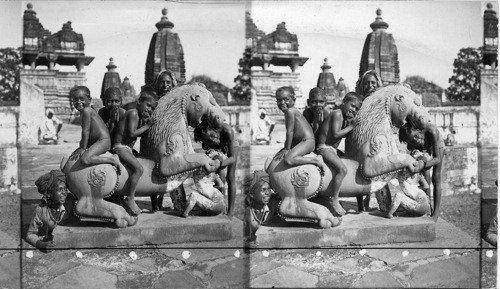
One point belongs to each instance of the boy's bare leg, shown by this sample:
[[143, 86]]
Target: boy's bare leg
[[295, 157], [396, 200], [128, 159], [189, 205], [92, 156], [334, 161]]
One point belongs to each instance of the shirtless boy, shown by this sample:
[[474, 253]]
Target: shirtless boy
[[336, 126], [135, 122], [299, 134], [429, 139], [316, 111], [112, 112], [95, 135]]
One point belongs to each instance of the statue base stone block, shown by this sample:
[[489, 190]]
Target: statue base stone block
[[151, 229], [355, 229]]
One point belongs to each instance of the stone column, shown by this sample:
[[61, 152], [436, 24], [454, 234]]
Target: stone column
[[488, 115], [31, 112], [8, 149]]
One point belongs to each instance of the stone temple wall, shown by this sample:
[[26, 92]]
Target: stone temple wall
[[465, 120], [266, 82], [460, 169], [56, 86]]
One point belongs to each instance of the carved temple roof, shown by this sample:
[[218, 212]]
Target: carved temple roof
[[165, 52], [380, 52], [279, 48], [41, 47], [251, 30]]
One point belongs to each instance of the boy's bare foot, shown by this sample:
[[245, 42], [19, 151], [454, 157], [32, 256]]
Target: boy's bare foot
[[337, 207], [133, 206], [117, 164], [185, 215], [389, 216]]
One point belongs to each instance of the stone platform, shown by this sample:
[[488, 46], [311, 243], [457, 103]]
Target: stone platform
[[356, 229], [151, 229]]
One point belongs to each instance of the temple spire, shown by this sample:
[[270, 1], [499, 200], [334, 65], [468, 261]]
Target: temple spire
[[111, 66], [379, 23], [326, 67], [164, 23], [111, 77], [165, 52], [380, 52]]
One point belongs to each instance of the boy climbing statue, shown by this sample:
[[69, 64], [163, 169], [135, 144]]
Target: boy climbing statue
[[299, 135], [336, 126]]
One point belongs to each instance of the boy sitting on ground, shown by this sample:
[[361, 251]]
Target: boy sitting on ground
[[299, 134], [336, 126], [135, 122], [112, 112], [95, 135]]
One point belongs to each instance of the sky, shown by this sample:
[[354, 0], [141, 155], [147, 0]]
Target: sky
[[428, 34], [212, 34]]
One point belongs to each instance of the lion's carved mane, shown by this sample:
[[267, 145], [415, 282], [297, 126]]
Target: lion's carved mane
[[373, 121], [168, 121]]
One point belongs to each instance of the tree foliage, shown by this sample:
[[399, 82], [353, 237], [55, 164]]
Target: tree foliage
[[218, 90], [10, 64], [431, 92], [465, 82], [243, 82]]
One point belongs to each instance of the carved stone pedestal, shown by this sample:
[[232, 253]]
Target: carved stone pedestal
[[152, 229], [356, 229]]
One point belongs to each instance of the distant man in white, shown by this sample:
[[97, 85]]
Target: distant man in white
[[49, 130], [264, 128]]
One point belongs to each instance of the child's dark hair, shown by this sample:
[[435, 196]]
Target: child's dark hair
[[405, 131], [200, 130], [147, 95], [351, 96], [82, 88], [288, 89], [112, 91], [316, 92]]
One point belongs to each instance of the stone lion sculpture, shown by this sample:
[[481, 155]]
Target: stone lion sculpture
[[372, 158], [167, 157]]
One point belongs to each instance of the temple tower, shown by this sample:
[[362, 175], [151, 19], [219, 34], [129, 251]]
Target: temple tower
[[334, 91], [111, 77], [380, 52], [278, 48], [165, 52], [41, 48]]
